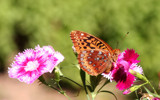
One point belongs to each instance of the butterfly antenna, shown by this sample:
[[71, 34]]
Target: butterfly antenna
[[117, 44], [125, 35], [122, 39]]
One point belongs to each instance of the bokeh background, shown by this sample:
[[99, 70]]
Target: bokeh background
[[26, 23]]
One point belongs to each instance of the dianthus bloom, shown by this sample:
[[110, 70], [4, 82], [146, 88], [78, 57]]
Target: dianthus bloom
[[32, 63], [120, 72]]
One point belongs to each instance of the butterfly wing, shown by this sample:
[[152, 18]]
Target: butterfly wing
[[94, 61], [84, 41]]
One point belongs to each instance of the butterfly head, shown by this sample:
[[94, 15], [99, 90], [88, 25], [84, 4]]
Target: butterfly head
[[116, 52]]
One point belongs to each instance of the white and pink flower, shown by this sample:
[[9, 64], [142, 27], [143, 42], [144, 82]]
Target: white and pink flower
[[32, 63]]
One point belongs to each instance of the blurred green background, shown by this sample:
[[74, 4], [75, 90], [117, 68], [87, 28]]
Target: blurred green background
[[26, 23]]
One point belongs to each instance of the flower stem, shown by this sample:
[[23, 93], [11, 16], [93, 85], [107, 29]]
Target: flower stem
[[63, 92], [53, 88], [93, 95], [60, 91], [67, 96], [41, 79], [142, 77], [152, 87], [87, 97]]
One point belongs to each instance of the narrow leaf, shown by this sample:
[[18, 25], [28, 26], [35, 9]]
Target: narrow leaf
[[147, 90], [41, 79], [110, 93], [83, 78], [106, 82], [95, 80], [155, 95]]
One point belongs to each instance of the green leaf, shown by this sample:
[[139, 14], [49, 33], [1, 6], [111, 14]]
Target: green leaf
[[106, 82], [95, 81], [90, 88], [136, 93], [63, 77], [41, 79], [110, 93], [83, 78], [149, 92]]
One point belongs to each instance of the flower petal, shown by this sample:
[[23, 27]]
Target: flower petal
[[131, 56], [31, 64], [127, 83]]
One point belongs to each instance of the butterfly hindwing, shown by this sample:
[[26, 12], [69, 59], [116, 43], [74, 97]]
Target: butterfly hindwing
[[94, 61], [84, 41]]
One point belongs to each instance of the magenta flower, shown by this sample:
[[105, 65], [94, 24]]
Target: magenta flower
[[120, 73], [31, 64]]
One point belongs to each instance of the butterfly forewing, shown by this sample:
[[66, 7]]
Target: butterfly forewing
[[84, 41], [94, 61], [94, 55]]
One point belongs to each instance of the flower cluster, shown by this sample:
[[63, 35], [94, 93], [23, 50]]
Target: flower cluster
[[120, 72], [32, 63]]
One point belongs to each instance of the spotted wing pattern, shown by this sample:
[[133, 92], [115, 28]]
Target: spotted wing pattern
[[94, 61], [84, 41], [94, 55]]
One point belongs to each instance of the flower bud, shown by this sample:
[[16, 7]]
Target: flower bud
[[132, 89], [57, 74], [138, 75]]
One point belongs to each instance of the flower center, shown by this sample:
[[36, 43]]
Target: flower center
[[32, 65]]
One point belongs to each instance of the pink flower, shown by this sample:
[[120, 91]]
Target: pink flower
[[31, 64], [120, 72]]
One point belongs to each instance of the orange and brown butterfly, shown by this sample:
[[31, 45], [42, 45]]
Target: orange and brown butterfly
[[94, 55]]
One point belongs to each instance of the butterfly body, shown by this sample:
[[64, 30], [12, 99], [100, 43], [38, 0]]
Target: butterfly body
[[94, 55]]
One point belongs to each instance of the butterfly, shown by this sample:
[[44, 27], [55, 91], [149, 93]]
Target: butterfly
[[94, 55]]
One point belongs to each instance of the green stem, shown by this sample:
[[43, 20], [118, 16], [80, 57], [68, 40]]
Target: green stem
[[59, 86], [54, 88], [60, 91], [142, 77], [63, 92], [72, 81], [152, 87], [144, 84], [88, 98], [67, 96], [41, 79], [93, 95]]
